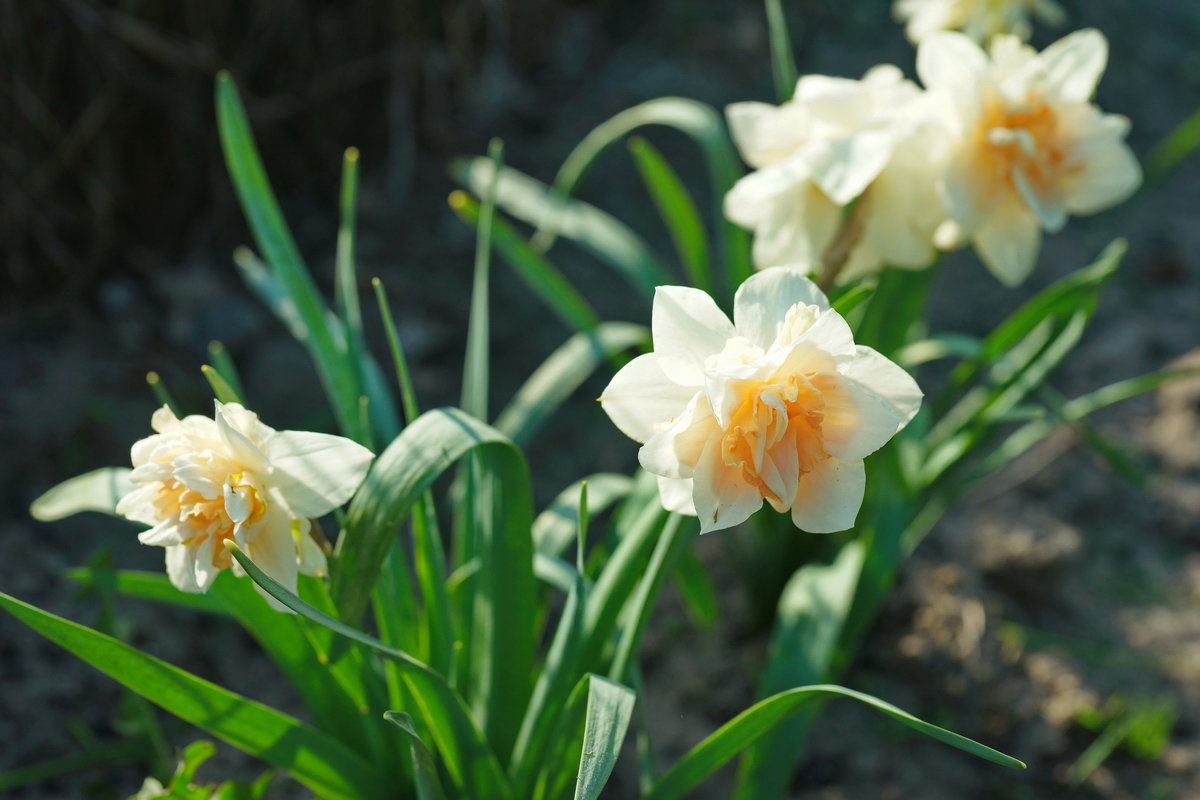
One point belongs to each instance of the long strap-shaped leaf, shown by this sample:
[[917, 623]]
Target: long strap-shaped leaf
[[318, 761], [470, 761], [98, 490], [266, 222], [422, 452], [562, 373], [609, 707], [735, 735]]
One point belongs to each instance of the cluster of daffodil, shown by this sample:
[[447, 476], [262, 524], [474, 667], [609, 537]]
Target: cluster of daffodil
[[488, 664]]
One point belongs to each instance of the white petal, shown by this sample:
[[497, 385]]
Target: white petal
[[673, 452], [886, 379], [640, 396], [764, 298], [1045, 201], [316, 472], [752, 199], [764, 134], [163, 419], [241, 448], [829, 497], [311, 557], [1105, 179], [1073, 65], [274, 552], [676, 495], [168, 533], [723, 499], [856, 422], [967, 191], [687, 328], [831, 334], [950, 60], [843, 168], [1008, 242], [205, 570], [181, 570]]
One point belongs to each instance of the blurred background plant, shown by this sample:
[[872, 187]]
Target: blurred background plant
[[106, 103]]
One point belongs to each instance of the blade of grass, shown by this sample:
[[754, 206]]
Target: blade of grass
[[223, 364], [783, 63], [428, 784], [609, 707]]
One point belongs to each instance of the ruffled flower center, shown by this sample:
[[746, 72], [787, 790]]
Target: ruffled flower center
[[219, 518], [1019, 137], [776, 429]]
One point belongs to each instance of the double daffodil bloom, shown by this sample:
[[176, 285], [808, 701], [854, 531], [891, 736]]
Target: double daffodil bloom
[[839, 141], [978, 19], [201, 481], [778, 405], [1027, 147]]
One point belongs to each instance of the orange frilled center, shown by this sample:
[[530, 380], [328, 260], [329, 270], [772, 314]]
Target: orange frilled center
[[210, 517], [775, 419], [1018, 136]]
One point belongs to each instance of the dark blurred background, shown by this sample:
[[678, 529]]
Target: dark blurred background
[[117, 222]]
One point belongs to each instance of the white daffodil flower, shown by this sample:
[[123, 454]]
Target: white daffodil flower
[[1027, 147], [779, 405], [201, 481], [836, 141], [978, 19]]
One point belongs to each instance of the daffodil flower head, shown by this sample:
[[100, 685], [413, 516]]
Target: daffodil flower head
[[778, 405], [1027, 145], [201, 482], [978, 19], [837, 141]]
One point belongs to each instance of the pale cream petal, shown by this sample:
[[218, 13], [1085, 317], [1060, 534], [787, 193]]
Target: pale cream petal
[[687, 327], [856, 422], [832, 334], [181, 568], [1110, 175], [765, 134], [167, 533], [886, 379], [676, 495], [241, 449], [843, 168], [274, 552], [829, 497], [763, 300], [949, 60], [1043, 199], [673, 452], [1072, 66], [316, 472], [968, 193], [723, 499], [640, 397], [1009, 242], [205, 571]]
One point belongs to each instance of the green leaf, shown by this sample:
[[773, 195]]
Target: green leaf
[[428, 784], [537, 273], [676, 207], [126, 751], [783, 63], [224, 366], [609, 707], [468, 758], [562, 373], [595, 230], [318, 761], [697, 120], [221, 389], [696, 589], [1181, 143], [475, 369], [398, 478], [554, 529], [804, 639], [153, 586], [325, 343], [737, 734], [98, 490]]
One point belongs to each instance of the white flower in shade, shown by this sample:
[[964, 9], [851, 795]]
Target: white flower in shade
[[1027, 145], [779, 405], [836, 141], [201, 481], [979, 19]]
